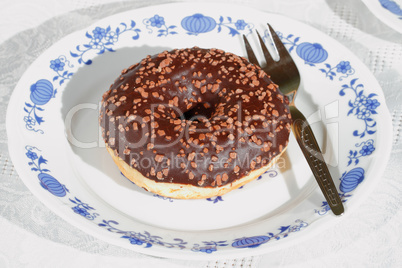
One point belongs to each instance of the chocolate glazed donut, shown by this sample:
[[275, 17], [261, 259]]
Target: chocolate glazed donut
[[194, 123]]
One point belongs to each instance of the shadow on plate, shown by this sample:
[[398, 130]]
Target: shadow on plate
[[80, 109]]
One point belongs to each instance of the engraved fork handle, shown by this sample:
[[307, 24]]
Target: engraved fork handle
[[309, 146]]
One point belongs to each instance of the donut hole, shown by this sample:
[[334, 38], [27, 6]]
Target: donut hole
[[199, 112], [205, 107]]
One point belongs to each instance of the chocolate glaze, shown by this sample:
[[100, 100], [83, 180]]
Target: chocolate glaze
[[195, 116]]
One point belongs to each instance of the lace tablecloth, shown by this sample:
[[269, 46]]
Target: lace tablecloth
[[33, 236]]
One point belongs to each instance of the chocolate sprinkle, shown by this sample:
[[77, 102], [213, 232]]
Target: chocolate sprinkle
[[202, 117]]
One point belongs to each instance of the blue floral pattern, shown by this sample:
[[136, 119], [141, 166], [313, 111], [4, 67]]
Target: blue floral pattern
[[102, 40], [198, 23], [83, 209], [363, 107], [209, 246], [324, 209], [240, 25], [41, 93], [234, 27], [349, 181], [256, 241], [159, 23], [51, 184], [215, 199], [365, 148], [392, 6], [251, 242], [142, 238], [59, 66], [47, 181], [286, 40], [343, 68], [145, 239], [311, 53]]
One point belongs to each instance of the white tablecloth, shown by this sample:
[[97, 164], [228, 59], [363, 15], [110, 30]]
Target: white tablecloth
[[33, 236]]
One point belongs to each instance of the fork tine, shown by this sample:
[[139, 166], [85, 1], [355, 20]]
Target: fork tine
[[250, 53], [267, 55], [280, 47]]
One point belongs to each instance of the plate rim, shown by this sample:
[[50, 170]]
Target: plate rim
[[221, 254], [384, 15]]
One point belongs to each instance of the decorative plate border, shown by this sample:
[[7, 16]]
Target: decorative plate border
[[392, 7], [388, 11], [37, 162], [100, 40], [363, 106]]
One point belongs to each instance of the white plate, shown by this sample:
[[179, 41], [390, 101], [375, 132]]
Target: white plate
[[55, 145], [388, 11]]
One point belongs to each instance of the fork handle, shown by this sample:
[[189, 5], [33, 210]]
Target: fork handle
[[309, 146]]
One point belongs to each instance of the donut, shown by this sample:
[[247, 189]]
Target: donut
[[194, 123]]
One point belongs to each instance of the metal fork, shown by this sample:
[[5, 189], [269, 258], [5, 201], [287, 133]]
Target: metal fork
[[286, 75]]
